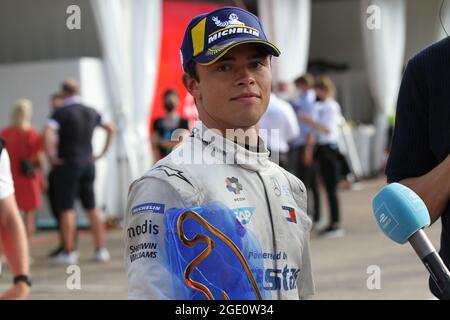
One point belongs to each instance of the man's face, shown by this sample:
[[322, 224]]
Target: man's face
[[302, 87], [171, 102], [321, 93], [235, 90], [57, 102]]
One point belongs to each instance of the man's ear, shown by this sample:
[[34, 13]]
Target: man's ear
[[191, 86]]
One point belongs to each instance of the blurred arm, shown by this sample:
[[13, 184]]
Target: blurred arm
[[315, 124], [110, 131], [308, 154], [13, 236], [51, 145], [44, 170]]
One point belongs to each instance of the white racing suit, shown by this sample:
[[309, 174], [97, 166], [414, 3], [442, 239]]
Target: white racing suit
[[266, 199]]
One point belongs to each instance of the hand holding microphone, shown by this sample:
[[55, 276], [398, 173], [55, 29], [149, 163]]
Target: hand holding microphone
[[402, 215]]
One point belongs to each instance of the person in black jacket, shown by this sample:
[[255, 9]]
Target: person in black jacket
[[419, 156], [56, 102]]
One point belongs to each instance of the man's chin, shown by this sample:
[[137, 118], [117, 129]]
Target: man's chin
[[247, 122]]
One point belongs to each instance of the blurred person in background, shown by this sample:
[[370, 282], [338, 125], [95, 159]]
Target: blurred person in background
[[56, 101], [163, 128], [327, 126], [304, 145], [279, 116], [71, 156], [284, 90], [25, 148], [13, 234]]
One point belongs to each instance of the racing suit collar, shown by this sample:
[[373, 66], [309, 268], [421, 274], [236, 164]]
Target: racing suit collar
[[255, 161]]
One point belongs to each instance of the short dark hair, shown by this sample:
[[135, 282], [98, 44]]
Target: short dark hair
[[55, 96], [325, 83], [192, 71], [169, 92], [70, 87], [306, 79]]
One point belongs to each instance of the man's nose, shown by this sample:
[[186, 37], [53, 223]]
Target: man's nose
[[245, 77]]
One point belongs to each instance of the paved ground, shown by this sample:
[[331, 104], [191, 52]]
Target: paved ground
[[340, 265], [98, 281]]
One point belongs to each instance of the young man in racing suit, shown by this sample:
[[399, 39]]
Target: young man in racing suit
[[227, 63]]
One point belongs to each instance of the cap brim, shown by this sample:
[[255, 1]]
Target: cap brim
[[209, 58]]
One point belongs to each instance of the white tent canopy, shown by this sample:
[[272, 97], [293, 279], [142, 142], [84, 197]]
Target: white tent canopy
[[287, 24], [444, 29], [130, 38], [383, 29]]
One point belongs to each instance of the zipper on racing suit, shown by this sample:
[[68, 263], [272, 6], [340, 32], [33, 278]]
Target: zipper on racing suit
[[274, 243]]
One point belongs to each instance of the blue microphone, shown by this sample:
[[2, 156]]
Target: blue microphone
[[402, 215]]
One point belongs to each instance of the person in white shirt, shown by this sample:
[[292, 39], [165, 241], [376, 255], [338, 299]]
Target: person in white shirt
[[327, 126], [281, 117], [12, 233], [284, 90]]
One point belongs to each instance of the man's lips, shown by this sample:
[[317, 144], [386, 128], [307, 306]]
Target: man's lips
[[247, 98]]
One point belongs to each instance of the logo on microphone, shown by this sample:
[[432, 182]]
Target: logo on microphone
[[383, 218]]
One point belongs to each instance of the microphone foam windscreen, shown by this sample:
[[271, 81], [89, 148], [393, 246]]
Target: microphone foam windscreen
[[399, 212]]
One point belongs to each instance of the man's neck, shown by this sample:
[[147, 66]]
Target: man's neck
[[172, 115], [245, 136], [71, 99]]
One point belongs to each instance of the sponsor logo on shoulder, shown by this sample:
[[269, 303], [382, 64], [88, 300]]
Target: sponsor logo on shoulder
[[151, 207], [291, 214]]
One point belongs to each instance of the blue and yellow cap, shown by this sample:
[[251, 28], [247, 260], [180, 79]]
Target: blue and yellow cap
[[209, 36]]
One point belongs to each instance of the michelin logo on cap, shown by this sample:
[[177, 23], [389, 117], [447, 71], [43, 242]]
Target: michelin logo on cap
[[232, 26], [233, 21]]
